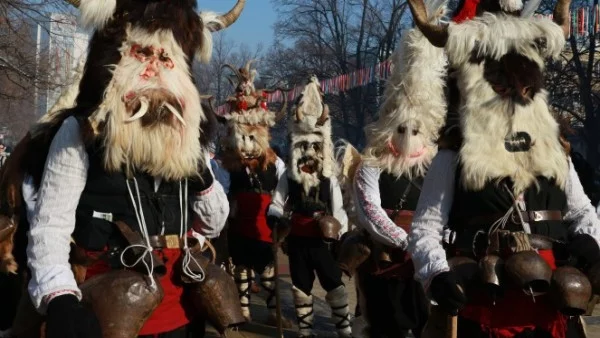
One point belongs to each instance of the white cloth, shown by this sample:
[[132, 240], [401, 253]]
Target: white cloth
[[371, 215], [280, 197], [435, 202], [52, 221]]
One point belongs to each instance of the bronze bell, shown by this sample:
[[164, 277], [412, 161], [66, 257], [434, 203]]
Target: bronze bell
[[216, 299], [330, 228], [530, 271], [467, 269], [571, 290], [491, 271], [122, 300], [354, 251], [594, 277]]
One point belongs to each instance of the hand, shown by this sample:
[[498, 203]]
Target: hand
[[447, 293], [584, 250], [68, 318]]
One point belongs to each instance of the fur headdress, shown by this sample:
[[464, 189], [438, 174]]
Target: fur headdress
[[402, 140], [248, 123], [506, 124], [311, 146]]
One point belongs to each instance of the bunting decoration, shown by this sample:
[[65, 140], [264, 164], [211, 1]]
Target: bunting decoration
[[335, 85], [584, 21]]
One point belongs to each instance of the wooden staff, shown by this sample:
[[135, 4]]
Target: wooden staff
[[452, 327], [277, 296]]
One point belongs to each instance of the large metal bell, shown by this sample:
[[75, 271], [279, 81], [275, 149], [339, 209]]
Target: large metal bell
[[530, 272], [354, 251], [466, 269], [571, 290], [492, 271], [330, 228]]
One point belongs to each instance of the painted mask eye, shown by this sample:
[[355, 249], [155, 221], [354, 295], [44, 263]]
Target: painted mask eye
[[251, 137], [317, 146], [415, 132], [401, 129]]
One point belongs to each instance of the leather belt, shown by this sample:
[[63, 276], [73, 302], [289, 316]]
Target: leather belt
[[528, 216], [170, 242]]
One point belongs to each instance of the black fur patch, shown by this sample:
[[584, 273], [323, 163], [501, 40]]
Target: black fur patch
[[518, 142]]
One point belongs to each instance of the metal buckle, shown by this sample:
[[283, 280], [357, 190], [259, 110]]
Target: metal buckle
[[172, 241], [514, 218], [537, 216]]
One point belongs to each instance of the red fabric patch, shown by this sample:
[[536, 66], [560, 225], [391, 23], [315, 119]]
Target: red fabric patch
[[169, 315], [467, 12], [516, 311], [305, 226], [251, 216]]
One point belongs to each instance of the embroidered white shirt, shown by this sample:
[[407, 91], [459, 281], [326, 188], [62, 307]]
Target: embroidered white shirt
[[371, 215]]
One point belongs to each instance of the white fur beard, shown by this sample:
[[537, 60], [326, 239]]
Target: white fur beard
[[170, 151], [399, 165], [483, 154]]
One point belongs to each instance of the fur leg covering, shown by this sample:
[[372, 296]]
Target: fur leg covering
[[242, 280], [304, 312], [340, 313], [267, 281]]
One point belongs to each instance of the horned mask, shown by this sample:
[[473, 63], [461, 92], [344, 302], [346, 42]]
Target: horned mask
[[506, 123], [137, 91], [311, 147], [248, 123], [402, 140]]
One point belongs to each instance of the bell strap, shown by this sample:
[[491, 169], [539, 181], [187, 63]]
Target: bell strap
[[528, 216]]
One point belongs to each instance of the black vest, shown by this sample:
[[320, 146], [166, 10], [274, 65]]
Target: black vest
[[317, 200], [494, 199], [107, 193], [262, 181], [397, 193]]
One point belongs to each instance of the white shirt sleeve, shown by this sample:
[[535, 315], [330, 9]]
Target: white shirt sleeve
[[212, 209], [53, 220], [431, 215], [580, 212], [337, 205], [276, 208], [280, 165], [371, 215]]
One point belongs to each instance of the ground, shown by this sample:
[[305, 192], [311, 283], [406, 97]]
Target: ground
[[324, 328]]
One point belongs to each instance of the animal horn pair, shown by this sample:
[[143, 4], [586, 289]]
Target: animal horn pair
[[226, 19], [438, 34]]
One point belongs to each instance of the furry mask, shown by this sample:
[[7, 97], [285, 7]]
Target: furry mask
[[247, 146], [137, 90], [506, 123], [402, 140], [311, 147]]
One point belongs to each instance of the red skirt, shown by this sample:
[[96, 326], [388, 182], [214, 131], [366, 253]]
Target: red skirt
[[169, 315], [516, 311]]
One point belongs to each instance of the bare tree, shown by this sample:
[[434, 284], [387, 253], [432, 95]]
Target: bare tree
[[333, 37], [24, 66]]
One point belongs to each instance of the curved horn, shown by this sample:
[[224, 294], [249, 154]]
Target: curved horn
[[436, 34], [561, 15], [75, 3], [230, 17], [234, 70], [248, 64]]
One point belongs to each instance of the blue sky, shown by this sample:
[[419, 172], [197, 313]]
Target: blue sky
[[254, 25]]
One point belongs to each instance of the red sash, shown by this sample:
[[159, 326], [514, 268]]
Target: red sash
[[516, 311], [169, 315]]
